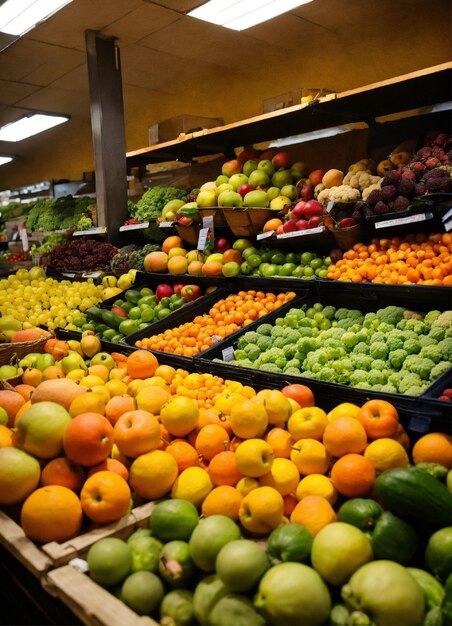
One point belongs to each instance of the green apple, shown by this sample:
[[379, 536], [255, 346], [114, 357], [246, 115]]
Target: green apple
[[281, 178], [44, 360], [73, 361], [8, 322], [231, 269], [29, 360], [7, 371], [242, 244], [127, 327], [224, 187], [259, 178], [246, 269], [290, 191], [273, 192], [256, 198], [3, 417], [35, 273], [211, 185], [237, 180], [207, 198], [216, 256], [249, 166], [280, 203], [266, 166], [221, 179], [103, 358], [230, 199]]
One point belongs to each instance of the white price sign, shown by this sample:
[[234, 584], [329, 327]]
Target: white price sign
[[165, 224], [80, 564], [411, 219], [68, 275], [447, 216], [216, 338], [228, 354], [329, 206], [91, 274], [24, 239], [202, 238], [98, 230], [302, 233], [134, 226], [448, 226], [207, 222], [260, 236]]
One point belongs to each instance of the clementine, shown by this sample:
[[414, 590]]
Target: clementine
[[433, 448], [141, 364], [110, 465], [117, 406], [51, 513], [105, 497], [353, 475], [62, 471], [222, 500]]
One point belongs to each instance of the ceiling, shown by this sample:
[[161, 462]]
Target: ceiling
[[164, 52]]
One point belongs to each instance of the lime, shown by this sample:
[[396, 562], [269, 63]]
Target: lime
[[290, 542], [245, 268], [307, 257], [270, 270], [253, 260], [145, 553], [135, 313], [249, 252], [360, 512], [142, 591], [308, 271], [176, 566], [109, 561], [173, 519], [338, 550], [438, 554], [177, 608], [287, 269], [163, 313], [209, 536], [237, 610], [109, 333], [240, 564], [292, 257], [207, 593], [279, 258], [140, 532], [316, 264], [146, 291], [293, 594]]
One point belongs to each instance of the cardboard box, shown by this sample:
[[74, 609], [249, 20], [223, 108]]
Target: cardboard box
[[303, 96], [170, 129]]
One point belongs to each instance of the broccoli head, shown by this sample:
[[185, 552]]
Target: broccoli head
[[388, 388], [394, 340], [363, 385], [439, 369], [409, 380], [412, 346], [327, 374], [349, 340], [417, 365], [277, 331], [378, 364], [293, 371], [414, 390], [290, 350], [417, 326], [446, 348], [437, 334], [251, 351], [431, 317], [264, 329], [361, 361], [264, 343], [361, 348], [379, 350], [376, 377], [443, 321], [431, 352], [329, 312], [270, 367], [358, 376], [391, 314], [397, 358], [293, 363]]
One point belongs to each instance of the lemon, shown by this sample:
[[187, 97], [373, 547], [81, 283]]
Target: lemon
[[91, 402], [283, 476], [91, 381], [193, 484], [247, 484], [116, 387], [316, 485], [309, 422], [386, 453]]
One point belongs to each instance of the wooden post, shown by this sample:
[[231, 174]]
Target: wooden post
[[107, 123]]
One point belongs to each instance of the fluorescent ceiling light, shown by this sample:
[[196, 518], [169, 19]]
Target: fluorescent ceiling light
[[242, 14], [19, 16], [30, 125], [5, 159]]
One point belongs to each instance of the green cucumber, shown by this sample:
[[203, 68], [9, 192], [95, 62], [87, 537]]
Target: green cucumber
[[95, 313], [111, 319], [394, 539], [412, 492], [446, 606], [432, 588]]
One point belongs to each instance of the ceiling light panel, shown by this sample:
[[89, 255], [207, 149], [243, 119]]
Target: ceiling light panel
[[242, 14], [29, 126], [19, 16]]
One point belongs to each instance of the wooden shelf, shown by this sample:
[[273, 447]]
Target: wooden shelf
[[416, 90]]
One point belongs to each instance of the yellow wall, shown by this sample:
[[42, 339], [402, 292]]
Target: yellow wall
[[414, 36]]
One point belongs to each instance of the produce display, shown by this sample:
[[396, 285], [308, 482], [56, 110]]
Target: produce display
[[138, 308], [48, 243], [132, 257], [63, 213], [224, 318], [14, 257], [422, 259], [393, 350], [151, 204], [81, 256]]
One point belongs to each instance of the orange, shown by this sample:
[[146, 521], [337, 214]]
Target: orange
[[379, 418], [62, 471], [433, 448], [223, 469], [179, 415], [310, 456], [300, 393], [171, 242], [272, 224], [222, 500], [51, 513], [344, 435], [105, 497], [261, 511], [136, 432], [313, 512], [152, 475], [211, 440], [88, 439], [152, 398], [212, 268], [32, 376], [280, 441], [6, 437], [117, 406], [11, 401], [353, 475], [184, 454], [177, 265], [309, 422], [141, 364], [248, 419], [213, 416], [344, 409], [385, 454], [110, 465]]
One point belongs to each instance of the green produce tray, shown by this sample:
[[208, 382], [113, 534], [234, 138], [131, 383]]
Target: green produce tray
[[420, 414]]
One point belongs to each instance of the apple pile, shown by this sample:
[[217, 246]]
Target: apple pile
[[303, 216]]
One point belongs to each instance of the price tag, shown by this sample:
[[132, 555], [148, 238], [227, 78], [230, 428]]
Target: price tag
[[91, 274], [448, 226], [447, 216], [228, 354], [207, 222], [329, 206], [411, 219], [419, 424], [68, 275], [165, 224], [24, 238], [80, 564], [302, 233], [134, 226], [202, 239], [260, 236], [216, 338], [98, 230]]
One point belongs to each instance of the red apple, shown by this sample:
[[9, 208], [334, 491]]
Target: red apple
[[289, 226], [312, 208], [231, 167], [315, 221], [177, 288], [298, 210], [281, 160], [163, 291], [244, 189], [302, 225], [221, 244], [316, 177], [267, 154], [247, 155], [280, 230], [307, 192], [347, 222]]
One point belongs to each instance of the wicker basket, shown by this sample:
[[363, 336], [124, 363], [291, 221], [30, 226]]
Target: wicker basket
[[9, 383], [20, 349], [217, 212], [247, 222], [346, 238], [190, 234]]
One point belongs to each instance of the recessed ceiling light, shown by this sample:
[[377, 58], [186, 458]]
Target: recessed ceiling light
[[4, 159], [19, 16], [30, 125], [242, 14]]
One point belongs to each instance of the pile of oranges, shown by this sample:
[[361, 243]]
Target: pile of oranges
[[224, 318], [260, 458], [420, 259]]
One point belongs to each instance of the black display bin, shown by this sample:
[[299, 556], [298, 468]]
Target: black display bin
[[420, 414], [432, 393]]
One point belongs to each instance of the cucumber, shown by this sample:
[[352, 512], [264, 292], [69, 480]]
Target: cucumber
[[412, 492], [446, 606], [432, 588], [394, 539]]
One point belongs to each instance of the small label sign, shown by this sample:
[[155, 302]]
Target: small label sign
[[216, 338], [98, 230], [302, 233], [24, 239], [134, 226], [411, 219], [329, 206], [165, 224], [68, 274], [207, 222], [448, 226], [228, 354], [202, 238], [260, 236], [91, 274], [447, 216]]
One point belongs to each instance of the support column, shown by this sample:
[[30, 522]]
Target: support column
[[107, 123]]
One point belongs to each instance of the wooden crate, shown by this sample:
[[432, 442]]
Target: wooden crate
[[40, 559], [91, 603]]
